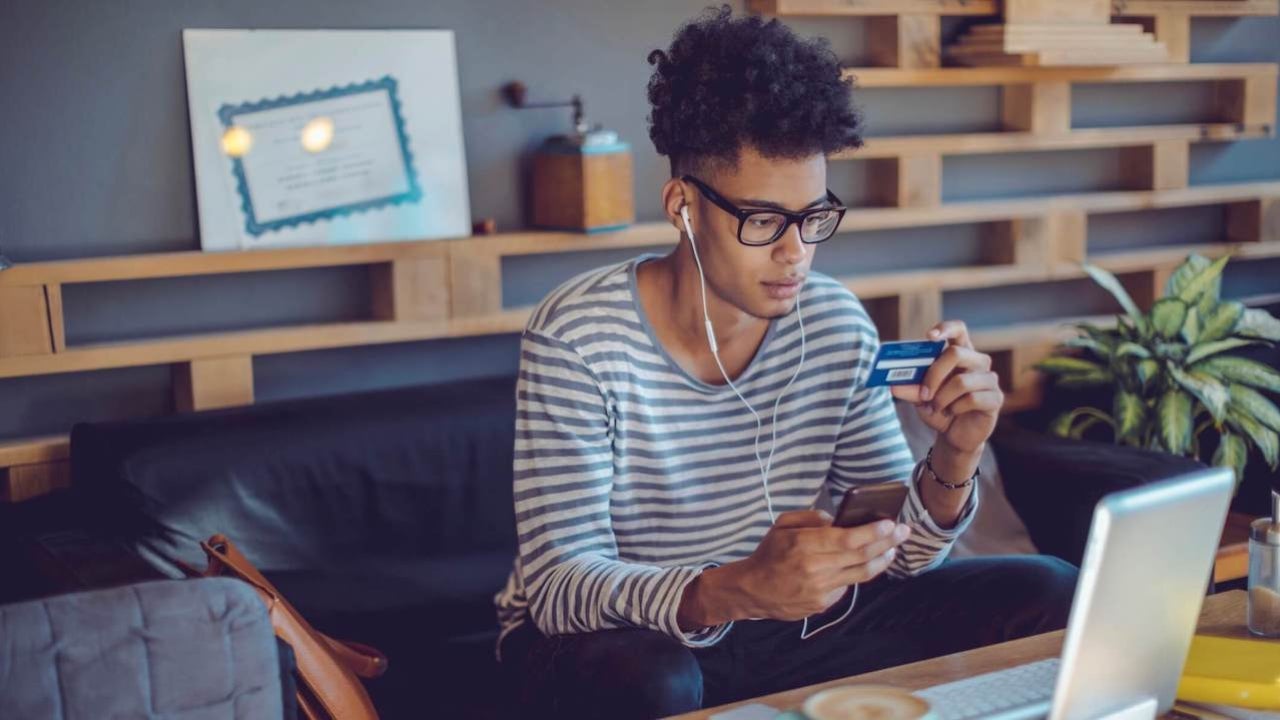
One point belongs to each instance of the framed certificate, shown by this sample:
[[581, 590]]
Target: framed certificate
[[317, 137]]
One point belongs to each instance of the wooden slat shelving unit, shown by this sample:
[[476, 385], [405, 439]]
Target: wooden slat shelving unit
[[452, 288]]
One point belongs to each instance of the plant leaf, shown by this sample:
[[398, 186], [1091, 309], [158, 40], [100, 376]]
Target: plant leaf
[[1259, 324], [1265, 439], [1243, 371], [1124, 328], [1062, 365], [1200, 352], [1107, 336], [1147, 370], [1061, 425], [1209, 301], [1127, 348], [1191, 326], [1168, 316], [1178, 279], [1207, 389], [1232, 452], [1112, 285], [1221, 321], [1204, 279], [1083, 380], [1130, 413], [1085, 342], [1247, 400], [1174, 414], [1078, 431], [1171, 351]]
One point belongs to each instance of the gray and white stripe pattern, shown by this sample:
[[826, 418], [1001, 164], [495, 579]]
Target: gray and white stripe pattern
[[632, 476]]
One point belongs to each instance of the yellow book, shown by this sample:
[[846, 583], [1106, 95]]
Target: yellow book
[[1232, 671]]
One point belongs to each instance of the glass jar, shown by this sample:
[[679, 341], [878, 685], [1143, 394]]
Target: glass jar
[[1264, 575]]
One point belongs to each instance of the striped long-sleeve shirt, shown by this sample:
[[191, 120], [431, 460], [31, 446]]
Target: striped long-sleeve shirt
[[632, 476]]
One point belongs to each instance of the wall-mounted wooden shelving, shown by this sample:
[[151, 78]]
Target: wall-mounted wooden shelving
[[453, 288]]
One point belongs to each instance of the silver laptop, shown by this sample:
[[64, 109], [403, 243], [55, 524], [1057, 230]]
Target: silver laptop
[[1146, 568]]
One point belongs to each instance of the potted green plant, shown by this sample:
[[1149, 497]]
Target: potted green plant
[[1172, 378]]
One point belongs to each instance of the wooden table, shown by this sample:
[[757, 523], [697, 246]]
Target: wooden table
[[1222, 614]]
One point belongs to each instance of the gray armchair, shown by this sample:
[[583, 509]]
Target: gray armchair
[[178, 649]]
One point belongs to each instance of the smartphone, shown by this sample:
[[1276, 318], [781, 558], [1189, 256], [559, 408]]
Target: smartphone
[[864, 504]]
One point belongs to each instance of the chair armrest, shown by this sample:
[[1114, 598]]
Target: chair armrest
[[1054, 483]]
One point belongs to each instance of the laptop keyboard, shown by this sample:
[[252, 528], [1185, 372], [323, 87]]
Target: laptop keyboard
[[1024, 691]]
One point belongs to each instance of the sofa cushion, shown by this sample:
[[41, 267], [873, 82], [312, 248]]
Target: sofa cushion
[[417, 472], [436, 597]]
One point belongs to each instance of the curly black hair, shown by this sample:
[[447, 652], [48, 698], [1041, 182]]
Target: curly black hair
[[729, 82]]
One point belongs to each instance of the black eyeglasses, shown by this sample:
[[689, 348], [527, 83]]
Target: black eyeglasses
[[763, 227]]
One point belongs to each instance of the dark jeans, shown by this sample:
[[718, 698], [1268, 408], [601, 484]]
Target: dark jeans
[[634, 673]]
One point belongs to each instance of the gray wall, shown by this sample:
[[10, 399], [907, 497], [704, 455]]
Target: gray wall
[[96, 161]]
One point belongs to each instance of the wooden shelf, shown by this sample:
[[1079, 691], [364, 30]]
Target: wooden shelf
[[195, 262], [30, 451], [1007, 142], [30, 467], [867, 8], [182, 264], [908, 34], [490, 317], [881, 285], [1137, 260], [1197, 8], [869, 77], [1130, 8], [863, 219], [264, 341]]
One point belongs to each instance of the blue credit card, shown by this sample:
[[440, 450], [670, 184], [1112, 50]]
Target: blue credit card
[[904, 363]]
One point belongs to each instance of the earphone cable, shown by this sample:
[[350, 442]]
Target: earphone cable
[[765, 468]]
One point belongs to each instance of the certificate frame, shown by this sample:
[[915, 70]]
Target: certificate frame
[[236, 75], [228, 114]]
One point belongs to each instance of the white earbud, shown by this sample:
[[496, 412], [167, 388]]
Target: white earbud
[[711, 334], [765, 467]]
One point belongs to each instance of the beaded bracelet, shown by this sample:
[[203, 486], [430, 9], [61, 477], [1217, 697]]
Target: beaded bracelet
[[928, 464]]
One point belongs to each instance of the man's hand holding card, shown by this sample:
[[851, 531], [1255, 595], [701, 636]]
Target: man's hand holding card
[[950, 383]]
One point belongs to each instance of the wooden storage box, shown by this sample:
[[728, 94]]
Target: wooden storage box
[[585, 188]]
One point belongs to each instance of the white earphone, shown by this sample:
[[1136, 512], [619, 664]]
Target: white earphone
[[765, 467]]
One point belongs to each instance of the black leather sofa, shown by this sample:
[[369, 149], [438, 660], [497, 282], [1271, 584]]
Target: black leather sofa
[[386, 517]]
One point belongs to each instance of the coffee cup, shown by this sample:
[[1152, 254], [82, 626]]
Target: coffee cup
[[867, 702]]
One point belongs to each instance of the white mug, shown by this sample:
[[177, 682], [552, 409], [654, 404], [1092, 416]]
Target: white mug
[[867, 702]]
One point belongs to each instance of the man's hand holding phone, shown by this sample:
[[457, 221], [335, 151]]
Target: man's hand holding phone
[[803, 566]]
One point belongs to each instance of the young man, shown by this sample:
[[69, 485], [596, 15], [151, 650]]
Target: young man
[[670, 553]]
